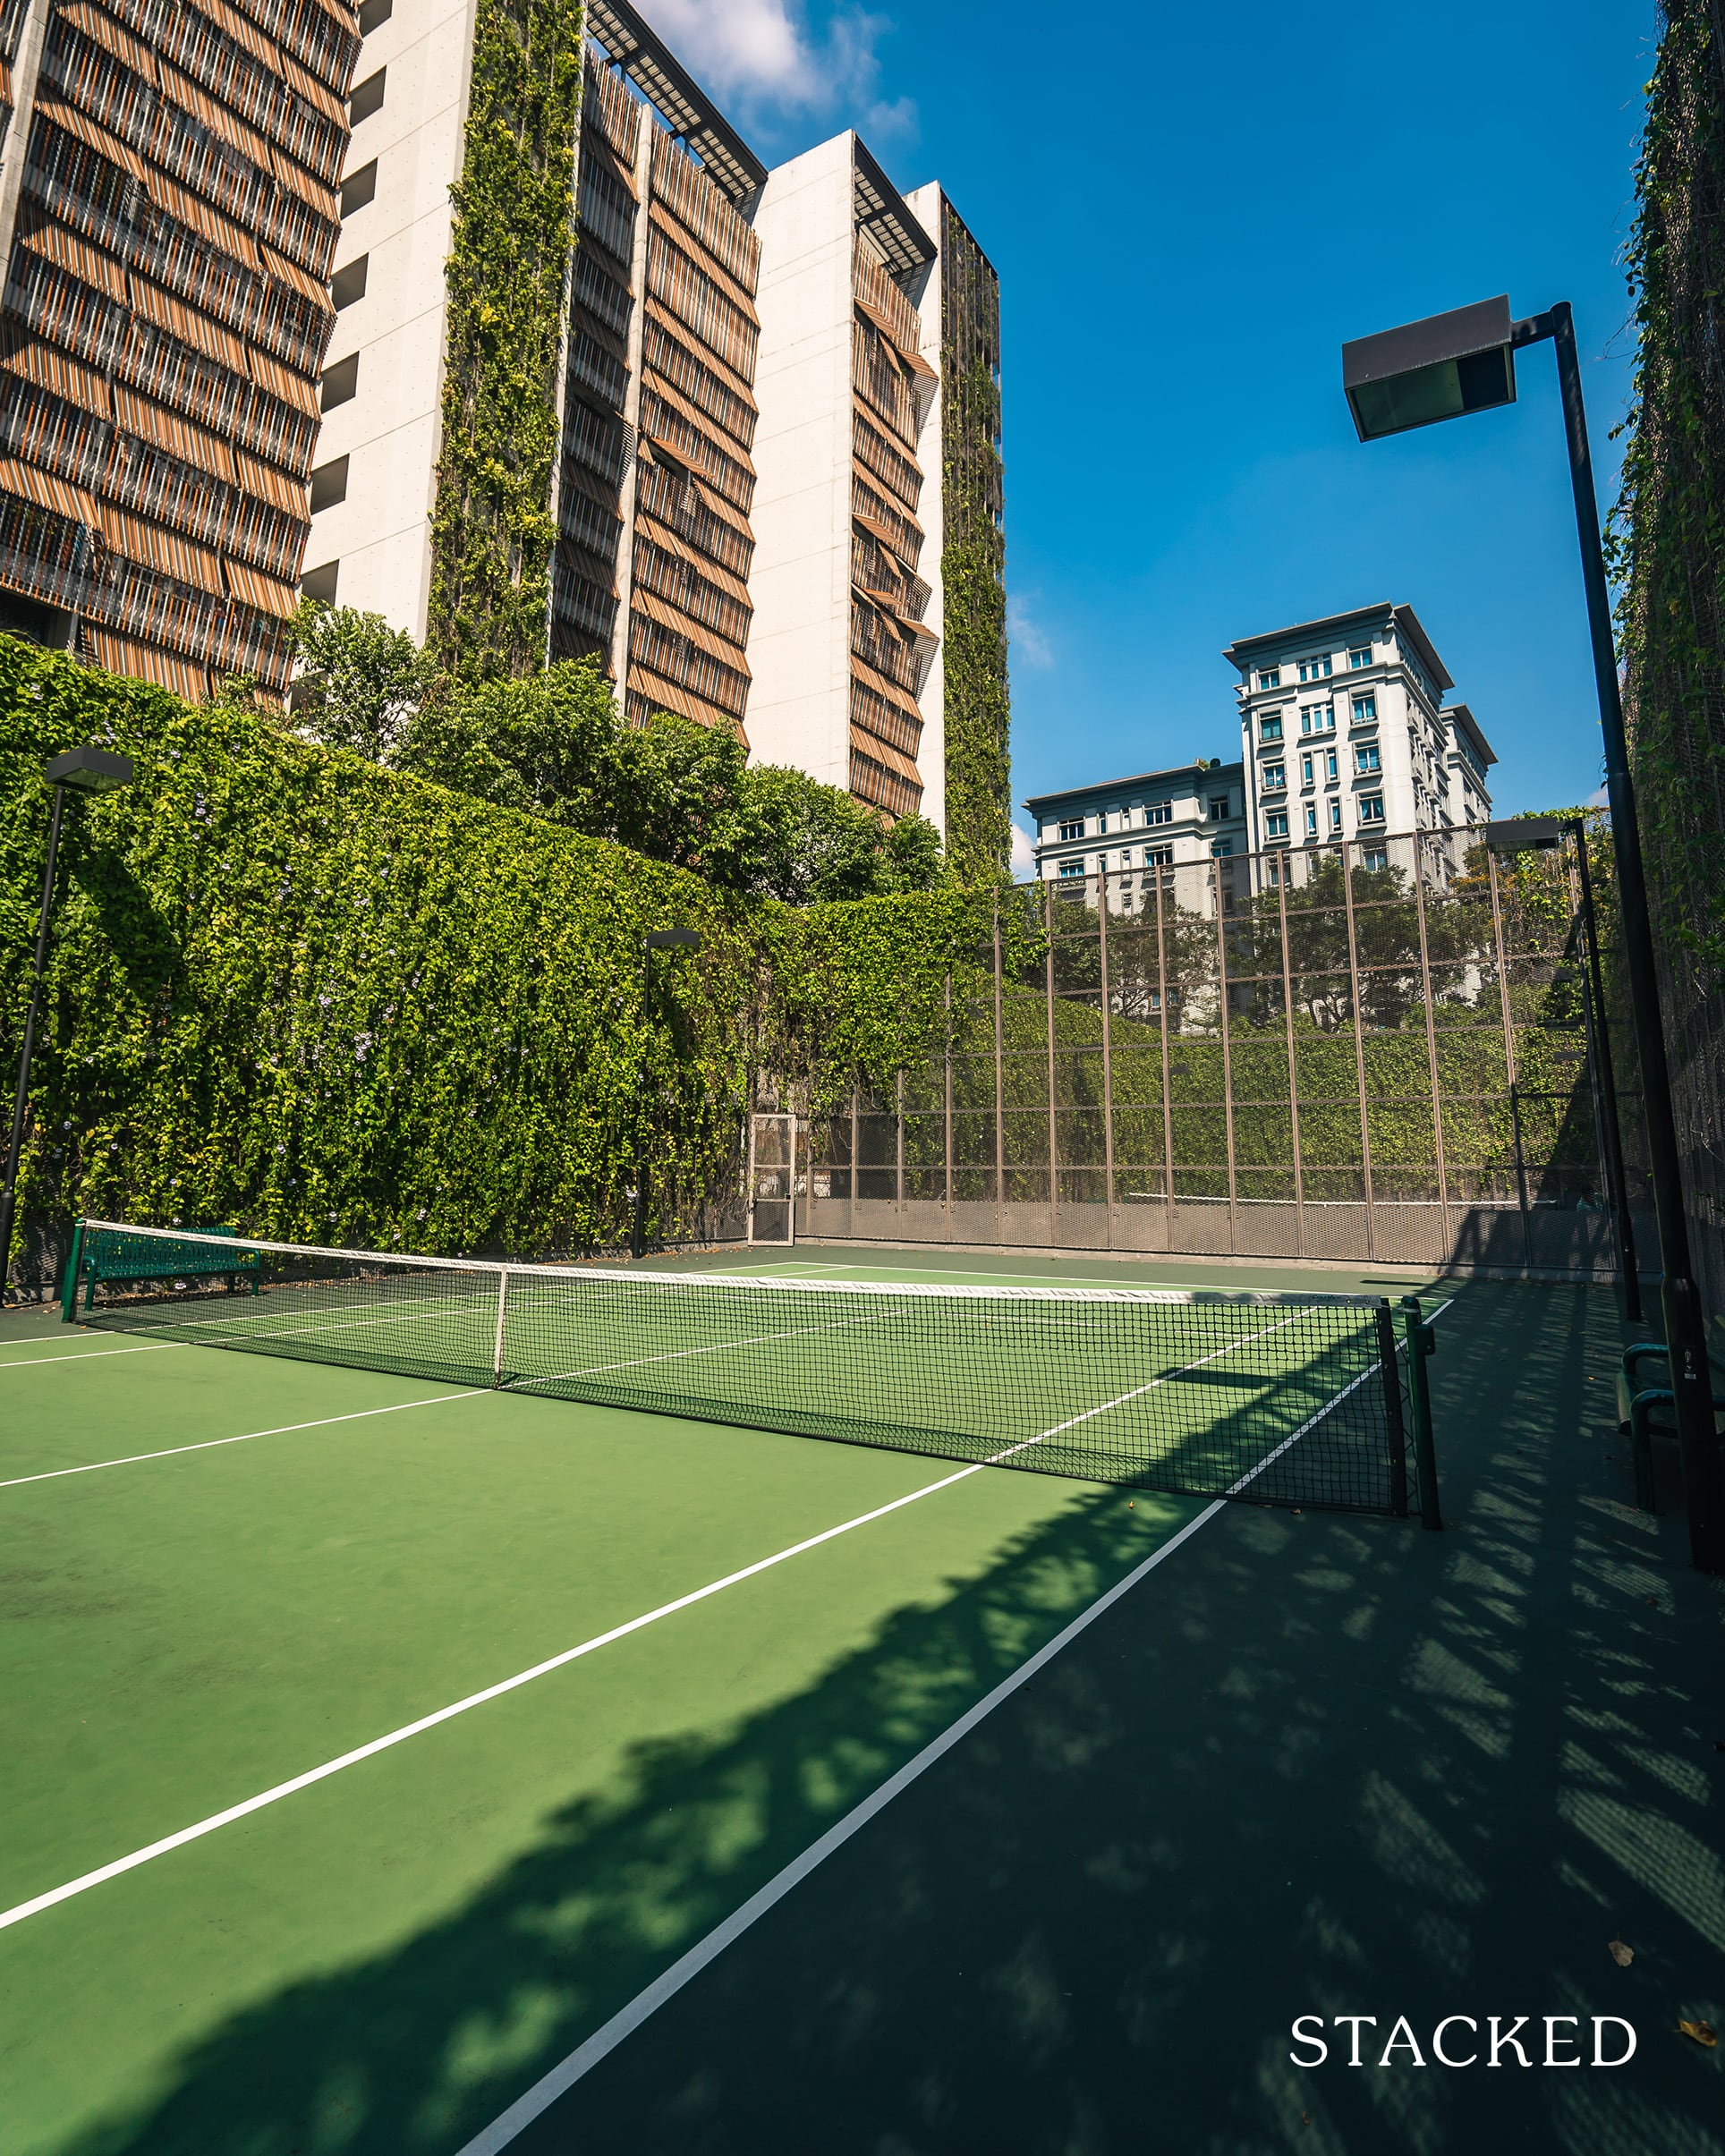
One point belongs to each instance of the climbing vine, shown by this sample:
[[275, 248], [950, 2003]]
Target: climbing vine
[[1669, 558], [317, 999], [492, 531], [973, 565]]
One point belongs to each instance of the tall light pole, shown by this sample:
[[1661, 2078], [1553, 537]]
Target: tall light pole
[[86, 771], [656, 939], [1442, 369]]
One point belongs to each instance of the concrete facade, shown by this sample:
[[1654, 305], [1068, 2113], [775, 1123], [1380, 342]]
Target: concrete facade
[[1192, 812]]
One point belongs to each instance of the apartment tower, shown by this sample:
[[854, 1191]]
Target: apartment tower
[[168, 213]]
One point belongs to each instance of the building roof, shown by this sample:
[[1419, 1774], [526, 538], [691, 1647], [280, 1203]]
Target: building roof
[[881, 210], [686, 108], [1198, 772], [1463, 721], [1238, 654]]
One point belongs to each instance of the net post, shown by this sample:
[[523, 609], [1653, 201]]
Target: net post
[[497, 1347], [1421, 1342], [69, 1285], [1395, 1428]]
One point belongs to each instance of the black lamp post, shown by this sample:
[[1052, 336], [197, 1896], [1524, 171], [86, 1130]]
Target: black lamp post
[[1441, 369], [87, 771], [656, 939]]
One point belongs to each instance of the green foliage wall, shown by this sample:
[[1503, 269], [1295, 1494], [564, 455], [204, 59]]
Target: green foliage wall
[[972, 563], [1671, 563], [492, 529], [317, 999]]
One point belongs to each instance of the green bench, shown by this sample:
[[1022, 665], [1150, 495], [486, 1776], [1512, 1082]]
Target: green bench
[[1647, 1411], [127, 1257]]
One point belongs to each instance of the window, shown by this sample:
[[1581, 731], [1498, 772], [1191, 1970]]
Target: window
[[348, 283], [358, 188], [1315, 670], [1269, 727], [330, 484], [1362, 656], [1335, 815], [1375, 857], [374, 14], [1275, 778], [1312, 819], [1101, 826], [1160, 812], [1219, 807], [1330, 766], [1072, 868], [1371, 808], [1365, 707], [1316, 719], [1269, 677], [365, 98], [321, 584], [340, 382], [1276, 824], [1160, 857], [1221, 847], [1072, 830], [1365, 757]]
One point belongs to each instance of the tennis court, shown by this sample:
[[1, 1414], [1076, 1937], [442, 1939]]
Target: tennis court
[[311, 1656]]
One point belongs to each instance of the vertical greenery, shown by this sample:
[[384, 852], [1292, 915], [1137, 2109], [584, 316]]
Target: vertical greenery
[[492, 530], [972, 565], [1670, 545]]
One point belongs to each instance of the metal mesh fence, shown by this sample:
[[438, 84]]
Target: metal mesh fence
[[1375, 1050]]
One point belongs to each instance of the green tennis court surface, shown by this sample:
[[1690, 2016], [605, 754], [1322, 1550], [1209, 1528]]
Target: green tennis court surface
[[386, 1959]]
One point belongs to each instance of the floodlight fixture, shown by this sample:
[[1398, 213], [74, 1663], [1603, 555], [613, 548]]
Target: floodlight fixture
[[89, 770], [672, 939], [1439, 368]]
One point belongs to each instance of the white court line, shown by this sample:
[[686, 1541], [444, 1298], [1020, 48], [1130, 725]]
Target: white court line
[[95, 1354], [525, 1676], [538, 2099], [53, 1474]]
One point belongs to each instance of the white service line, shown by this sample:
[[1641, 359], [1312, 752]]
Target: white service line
[[95, 1354], [131, 1459]]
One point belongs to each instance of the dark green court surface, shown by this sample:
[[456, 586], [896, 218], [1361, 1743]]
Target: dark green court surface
[[1304, 1765]]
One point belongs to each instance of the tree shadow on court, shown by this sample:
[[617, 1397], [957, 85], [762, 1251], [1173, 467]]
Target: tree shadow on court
[[1311, 1766]]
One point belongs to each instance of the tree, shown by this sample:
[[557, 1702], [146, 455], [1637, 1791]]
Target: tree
[[545, 743], [816, 842], [360, 681]]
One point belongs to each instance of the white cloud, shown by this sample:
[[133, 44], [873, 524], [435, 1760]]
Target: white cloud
[[1601, 799], [762, 54], [1028, 641], [1024, 855]]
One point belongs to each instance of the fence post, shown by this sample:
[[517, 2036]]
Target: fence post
[[1359, 1052], [1223, 994], [1284, 868], [1511, 1062], [69, 1294], [1396, 1428], [1421, 1342], [1107, 1051]]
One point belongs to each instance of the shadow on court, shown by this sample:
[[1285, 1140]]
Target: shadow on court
[[1312, 1765]]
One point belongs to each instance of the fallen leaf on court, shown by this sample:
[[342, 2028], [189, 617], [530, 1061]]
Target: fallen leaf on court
[[1700, 2032], [1620, 1954]]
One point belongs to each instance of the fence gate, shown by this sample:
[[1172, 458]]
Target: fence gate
[[772, 1179]]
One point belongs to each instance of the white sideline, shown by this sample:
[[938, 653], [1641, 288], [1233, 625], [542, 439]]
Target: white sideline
[[94, 1355], [131, 1459], [570, 1654]]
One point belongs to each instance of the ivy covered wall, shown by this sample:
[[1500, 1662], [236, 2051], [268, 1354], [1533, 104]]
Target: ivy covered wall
[[320, 1000], [973, 562], [1671, 562], [492, 530]]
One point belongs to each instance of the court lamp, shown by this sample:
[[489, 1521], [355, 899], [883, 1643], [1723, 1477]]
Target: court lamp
[[656, 939], [1443, 369], [86, 771]]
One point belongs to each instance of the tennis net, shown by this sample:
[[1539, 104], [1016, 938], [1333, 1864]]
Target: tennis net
[[1281, 1398]]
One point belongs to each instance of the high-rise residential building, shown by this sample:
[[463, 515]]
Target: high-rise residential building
[[168, 212], [756, 419], [1346, 734], [1192, 812]]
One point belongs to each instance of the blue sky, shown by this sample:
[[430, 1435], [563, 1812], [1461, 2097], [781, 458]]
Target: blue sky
[[1190, 210]]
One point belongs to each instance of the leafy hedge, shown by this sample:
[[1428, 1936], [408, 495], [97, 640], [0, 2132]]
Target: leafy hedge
[[317, 999]]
